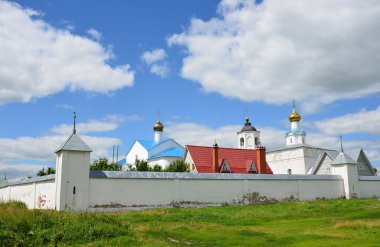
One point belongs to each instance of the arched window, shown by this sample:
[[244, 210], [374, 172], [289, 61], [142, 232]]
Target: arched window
[[289, 171], [256, 140], [242, 142]]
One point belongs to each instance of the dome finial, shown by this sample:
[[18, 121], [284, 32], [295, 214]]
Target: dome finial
[[294, 116], [74, 128], [158, 126]]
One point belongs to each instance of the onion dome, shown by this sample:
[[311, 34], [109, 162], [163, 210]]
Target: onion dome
[[294, 116], [247, 126], [158, 126]]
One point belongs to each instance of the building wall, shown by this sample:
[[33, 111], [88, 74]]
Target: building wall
[[281, 161], [37, 195], [369, 186], [137, 151], [160, 189], [162, 161]]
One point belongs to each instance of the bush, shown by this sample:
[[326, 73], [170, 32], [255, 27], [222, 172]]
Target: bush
[[102, 164], [178, 166]]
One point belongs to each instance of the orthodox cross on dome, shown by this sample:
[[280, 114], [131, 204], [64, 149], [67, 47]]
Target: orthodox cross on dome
[[158, 115], [341, 144], [294, 103], [74, 129]]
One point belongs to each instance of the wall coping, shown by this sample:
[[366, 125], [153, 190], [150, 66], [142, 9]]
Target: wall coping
[[223, 176], [18, 181], [369, 178]]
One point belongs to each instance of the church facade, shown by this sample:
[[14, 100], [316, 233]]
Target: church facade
[[297, 157]]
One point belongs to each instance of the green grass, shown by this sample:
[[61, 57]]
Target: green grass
[[316, 223]]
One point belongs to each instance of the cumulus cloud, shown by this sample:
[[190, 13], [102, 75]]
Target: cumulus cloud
[[38, 59], [95, 34], [155, 60], [108, 123], [313, 51], [365, 121], [18, 170], [150, 57], [226, 136]]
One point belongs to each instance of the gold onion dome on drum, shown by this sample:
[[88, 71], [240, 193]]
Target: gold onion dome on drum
[[158, 126], [294, 117]]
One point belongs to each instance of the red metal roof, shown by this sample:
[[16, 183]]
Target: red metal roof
[[239, 160]]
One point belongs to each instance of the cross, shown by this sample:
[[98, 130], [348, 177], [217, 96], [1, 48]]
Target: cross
[[341, 144], [158, 114], [294, 103], [74, 129]]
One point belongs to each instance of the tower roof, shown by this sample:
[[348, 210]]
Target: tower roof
[[158, 126], [294, 116], [248, 126], [343, 158], [74, 143]]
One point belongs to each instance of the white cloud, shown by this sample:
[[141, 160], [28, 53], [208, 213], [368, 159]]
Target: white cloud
[[65, 106], [161, 70], [313, 51], [155, 60], [95, 34], [38, 59], [150, 57], [226, 136], [134, 118], [361, 122], [18, 170]]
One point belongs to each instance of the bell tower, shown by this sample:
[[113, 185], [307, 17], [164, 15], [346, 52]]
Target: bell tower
[[296, 135], [248, 137]]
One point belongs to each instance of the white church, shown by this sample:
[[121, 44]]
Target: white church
[[297, 157], [159, 151]]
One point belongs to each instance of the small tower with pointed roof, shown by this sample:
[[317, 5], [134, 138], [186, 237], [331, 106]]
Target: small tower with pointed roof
[[296, 135], [72, 174], [347, 168], [249, 136]]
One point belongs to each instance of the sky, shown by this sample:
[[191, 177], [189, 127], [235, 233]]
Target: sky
[[203, 64]]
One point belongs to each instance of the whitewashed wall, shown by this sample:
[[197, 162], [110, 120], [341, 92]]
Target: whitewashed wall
[[369, 186], [153, 189], [35, 194]]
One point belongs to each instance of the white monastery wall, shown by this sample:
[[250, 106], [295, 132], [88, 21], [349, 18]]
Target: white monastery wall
[[369, 186], [137, 189], [36, 195]]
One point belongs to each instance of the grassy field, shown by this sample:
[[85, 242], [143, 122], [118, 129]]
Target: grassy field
[[317, 223]]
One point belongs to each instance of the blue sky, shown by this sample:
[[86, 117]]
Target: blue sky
[[203, 64]]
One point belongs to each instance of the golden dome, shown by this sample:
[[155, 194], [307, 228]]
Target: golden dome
[[158, 126], [294, 116]]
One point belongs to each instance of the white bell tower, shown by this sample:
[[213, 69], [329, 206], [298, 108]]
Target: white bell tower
[[248, 137], [296, 135]]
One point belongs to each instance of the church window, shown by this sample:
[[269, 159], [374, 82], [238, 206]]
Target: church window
[[225, 167], [241, 142], [74, 190], [256, 140], [252, 168], [289, 171], [291, 140]]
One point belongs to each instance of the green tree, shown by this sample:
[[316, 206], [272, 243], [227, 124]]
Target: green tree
[[178, 166], [48, 171], [102, 164], [157, 168], [142, 166]]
